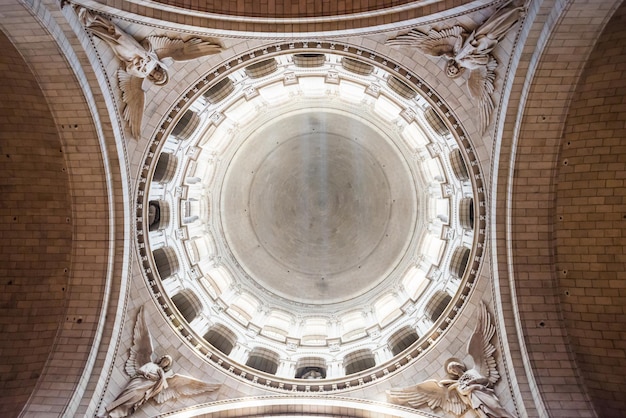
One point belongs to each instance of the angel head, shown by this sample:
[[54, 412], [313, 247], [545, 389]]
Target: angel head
[[453, 69], [158, 75], [165, 362], [455, 367], [148, 66]]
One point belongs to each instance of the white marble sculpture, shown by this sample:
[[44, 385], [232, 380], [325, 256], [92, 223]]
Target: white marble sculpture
[[469, 51], [149, 376], [465, 388], [143, 61]]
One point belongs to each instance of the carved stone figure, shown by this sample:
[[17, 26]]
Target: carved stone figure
[[149, 377], [470, 52], [142, 61], [466, 388]]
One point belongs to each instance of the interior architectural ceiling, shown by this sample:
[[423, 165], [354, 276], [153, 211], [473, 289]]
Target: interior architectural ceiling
[[320, 208], [321, 214]]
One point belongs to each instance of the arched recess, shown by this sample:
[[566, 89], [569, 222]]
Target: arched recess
[[525, 213], [165, 168], [589, 225], [466, 213], [262, 68], [166, 261], [158, 215], [437, 304], [187, 304], [277, 406], [187, 125], [459, 260], [458, 165], [32, 161], [76, 292], [311, 368], [402, 339], [358, 361], [222, 338], [264, 360], [347, 18], [219, 91]]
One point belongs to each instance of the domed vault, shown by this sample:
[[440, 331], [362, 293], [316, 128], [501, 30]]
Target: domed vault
[[322, 218]]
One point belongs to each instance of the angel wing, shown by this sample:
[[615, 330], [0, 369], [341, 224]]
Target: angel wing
[[431, 392], [141, 351], [134, 96], [480, 347], [481, 85], [179, 385], [446, 42], [180, 50]]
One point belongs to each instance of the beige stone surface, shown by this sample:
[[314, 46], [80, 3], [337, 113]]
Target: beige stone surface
[[552, 164]]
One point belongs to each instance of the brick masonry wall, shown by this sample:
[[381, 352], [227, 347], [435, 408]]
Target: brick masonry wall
[[92, 192], [591, 221], [272, 17], [36, 230], [548, 74]]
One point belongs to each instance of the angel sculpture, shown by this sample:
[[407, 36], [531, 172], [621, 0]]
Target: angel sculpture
[[142, 61], [469, 52], [466, 388], [149, 376]]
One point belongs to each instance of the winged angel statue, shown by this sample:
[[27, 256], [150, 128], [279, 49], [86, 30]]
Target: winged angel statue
[[144, 62], [466, 388], [471, 52], [149, 376]]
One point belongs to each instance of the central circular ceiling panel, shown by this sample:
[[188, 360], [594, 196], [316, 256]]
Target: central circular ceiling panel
[[318, 206]]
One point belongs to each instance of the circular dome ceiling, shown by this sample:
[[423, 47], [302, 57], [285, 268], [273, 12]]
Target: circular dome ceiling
[[310, 215], [318, 206]]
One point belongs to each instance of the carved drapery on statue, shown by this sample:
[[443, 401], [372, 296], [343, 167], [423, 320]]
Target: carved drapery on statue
[[469, 51], [149, 376], [465, 388], [142, 63]]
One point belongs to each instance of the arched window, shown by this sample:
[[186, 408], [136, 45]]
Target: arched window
[[437, 304], [458, 262], [356, 66], [401, 88], [264, 360], [436, 122], [402, 339], [311, 368], [166, 261], [158, 215], [359, 360], [261, 68], [219, 91], [187, 304], [221, 338], [458, 165], [466, 213], [187, 125], [165, 168], [309, 60]]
